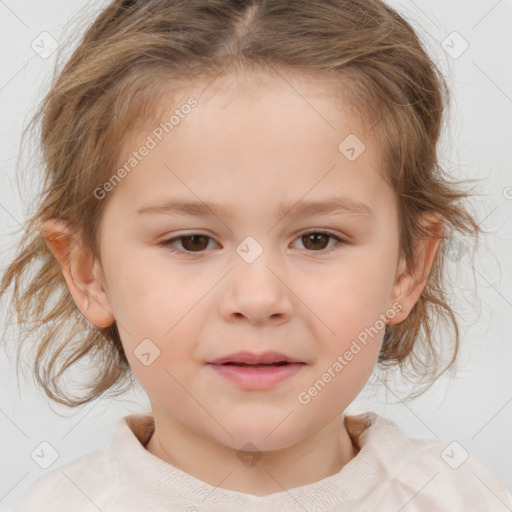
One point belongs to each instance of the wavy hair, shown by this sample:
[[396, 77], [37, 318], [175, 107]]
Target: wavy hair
[[135, 50]]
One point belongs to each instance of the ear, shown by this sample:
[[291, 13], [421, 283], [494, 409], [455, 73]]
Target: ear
[[410, 283], [81, 272]]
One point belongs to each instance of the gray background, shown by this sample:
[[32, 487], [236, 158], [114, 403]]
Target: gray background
[[475, 408]]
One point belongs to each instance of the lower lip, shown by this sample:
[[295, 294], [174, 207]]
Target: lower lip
[[257, 378]]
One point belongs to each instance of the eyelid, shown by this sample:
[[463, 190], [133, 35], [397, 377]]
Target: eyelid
[[340, 240]]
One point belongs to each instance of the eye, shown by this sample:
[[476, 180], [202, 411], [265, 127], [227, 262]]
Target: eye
[[191, 243], [198, 243], [315, 240]]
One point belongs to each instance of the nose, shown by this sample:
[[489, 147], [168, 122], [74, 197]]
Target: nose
[[256, 293]]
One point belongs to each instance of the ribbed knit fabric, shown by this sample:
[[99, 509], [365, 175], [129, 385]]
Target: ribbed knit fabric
[[391, 473]]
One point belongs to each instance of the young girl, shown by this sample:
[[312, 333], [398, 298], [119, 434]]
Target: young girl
[[243, 210]]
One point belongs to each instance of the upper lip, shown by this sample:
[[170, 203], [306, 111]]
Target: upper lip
[[251, 358]]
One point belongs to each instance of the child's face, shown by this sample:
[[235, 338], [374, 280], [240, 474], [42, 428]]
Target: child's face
[[249, 150]]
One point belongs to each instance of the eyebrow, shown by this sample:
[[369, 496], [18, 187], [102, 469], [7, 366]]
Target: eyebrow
[[328, 206]]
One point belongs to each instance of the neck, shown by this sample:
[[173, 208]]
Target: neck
[[321, 455]]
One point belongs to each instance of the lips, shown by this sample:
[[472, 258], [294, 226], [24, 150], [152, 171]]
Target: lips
[[259, 365], [256, 360], [257, 372]]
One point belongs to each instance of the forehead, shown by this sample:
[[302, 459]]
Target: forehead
[[260, 135], [320, 99]]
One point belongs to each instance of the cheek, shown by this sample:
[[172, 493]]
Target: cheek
[[162, 353], [155, 323], [369, 274], [349, 302], [144, 295], [357, 288]]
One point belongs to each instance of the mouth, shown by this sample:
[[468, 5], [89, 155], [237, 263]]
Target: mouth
[[258, 365], [257, 376], [262, 360]]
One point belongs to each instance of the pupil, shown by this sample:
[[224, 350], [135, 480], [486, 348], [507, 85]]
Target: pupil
[[194, 239], [314, 238]]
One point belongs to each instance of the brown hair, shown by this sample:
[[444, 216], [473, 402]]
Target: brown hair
[[133, 51]]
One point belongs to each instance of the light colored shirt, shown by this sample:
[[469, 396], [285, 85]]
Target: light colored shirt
[[391, 473]]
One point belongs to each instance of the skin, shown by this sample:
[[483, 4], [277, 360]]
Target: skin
[[248, 146]]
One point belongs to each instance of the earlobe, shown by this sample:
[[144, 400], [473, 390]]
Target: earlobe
[[410, 283], [79, 270]]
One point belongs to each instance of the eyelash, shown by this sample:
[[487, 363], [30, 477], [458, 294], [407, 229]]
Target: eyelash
[[168, 243]]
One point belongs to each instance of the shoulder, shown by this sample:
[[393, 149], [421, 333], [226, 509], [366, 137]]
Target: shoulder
[[447, 469], [69, 486], [96, 481], [435, 474]]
